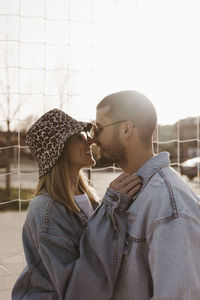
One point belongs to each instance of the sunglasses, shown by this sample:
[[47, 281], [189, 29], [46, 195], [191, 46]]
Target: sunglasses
[[87, 135], [95, 130], [90, 134]]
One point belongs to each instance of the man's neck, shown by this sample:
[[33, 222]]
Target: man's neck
[[135, 161]]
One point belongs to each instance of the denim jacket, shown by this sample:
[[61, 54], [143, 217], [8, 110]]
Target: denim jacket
[[68, 257], [161, 257]]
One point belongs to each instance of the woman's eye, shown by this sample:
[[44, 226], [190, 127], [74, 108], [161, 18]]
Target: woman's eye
[[80, 137]]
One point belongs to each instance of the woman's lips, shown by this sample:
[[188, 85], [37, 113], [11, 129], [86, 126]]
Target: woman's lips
[[88, 152]]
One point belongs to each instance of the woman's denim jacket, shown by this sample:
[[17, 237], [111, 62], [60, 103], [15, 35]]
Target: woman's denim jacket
[[68, 257]]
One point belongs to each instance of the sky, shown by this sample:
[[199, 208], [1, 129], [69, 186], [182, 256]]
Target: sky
[[70, 54]]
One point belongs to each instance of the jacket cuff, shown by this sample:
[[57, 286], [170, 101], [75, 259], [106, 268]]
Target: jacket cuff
[[116, 199]]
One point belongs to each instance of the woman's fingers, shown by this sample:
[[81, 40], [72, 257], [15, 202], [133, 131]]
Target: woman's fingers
[[131, 185], [121, 177], [126, 183], [132, 180], [134, 190]]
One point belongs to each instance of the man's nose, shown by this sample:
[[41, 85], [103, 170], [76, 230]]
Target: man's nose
[[95, 138]]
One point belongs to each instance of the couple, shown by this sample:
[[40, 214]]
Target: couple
[[142, 242]]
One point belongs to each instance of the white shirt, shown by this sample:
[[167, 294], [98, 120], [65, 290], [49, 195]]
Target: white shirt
[[84, 203]]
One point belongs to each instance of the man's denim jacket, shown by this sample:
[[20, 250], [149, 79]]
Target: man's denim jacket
[[161, 259], [68, 259]]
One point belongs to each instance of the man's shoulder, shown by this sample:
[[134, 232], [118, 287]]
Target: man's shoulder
[[169, 194], [165, 197]]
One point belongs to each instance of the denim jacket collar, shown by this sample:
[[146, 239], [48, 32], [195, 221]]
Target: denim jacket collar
[[150, 167]]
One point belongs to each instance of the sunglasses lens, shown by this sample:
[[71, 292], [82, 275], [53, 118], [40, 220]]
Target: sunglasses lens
[[84, 135], [89, 134]]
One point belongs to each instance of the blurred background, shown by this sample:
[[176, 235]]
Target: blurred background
[[69, 54]]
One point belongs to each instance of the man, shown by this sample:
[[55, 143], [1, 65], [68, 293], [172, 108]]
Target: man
[[161, 258]]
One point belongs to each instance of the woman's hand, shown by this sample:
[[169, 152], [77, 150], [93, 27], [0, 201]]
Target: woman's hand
[[127, 184]]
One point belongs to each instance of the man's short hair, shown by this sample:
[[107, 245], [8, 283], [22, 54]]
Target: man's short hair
[[132, 106]]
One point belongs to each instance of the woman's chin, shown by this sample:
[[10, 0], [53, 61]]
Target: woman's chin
[[91, 162]]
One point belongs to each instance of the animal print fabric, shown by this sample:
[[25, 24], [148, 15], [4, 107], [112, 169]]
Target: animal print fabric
[[47, 136]]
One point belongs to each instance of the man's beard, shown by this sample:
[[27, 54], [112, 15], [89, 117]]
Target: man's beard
[[115, 153]]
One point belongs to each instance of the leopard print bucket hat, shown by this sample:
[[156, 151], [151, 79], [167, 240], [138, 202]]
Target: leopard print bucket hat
[[47, 136]]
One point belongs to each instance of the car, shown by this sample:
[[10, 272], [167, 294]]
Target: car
[[191, 167]]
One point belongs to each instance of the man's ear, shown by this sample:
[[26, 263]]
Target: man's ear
[[128, 128]]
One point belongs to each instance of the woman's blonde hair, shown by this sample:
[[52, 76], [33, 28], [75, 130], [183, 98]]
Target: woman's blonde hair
[[57, 183]]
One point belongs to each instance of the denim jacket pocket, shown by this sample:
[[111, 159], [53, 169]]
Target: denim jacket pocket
[[127, 245]]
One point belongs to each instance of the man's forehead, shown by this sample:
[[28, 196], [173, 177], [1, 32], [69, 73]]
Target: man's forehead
[[101, 115]]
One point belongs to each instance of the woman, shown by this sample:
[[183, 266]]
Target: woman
[[66, 256]]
